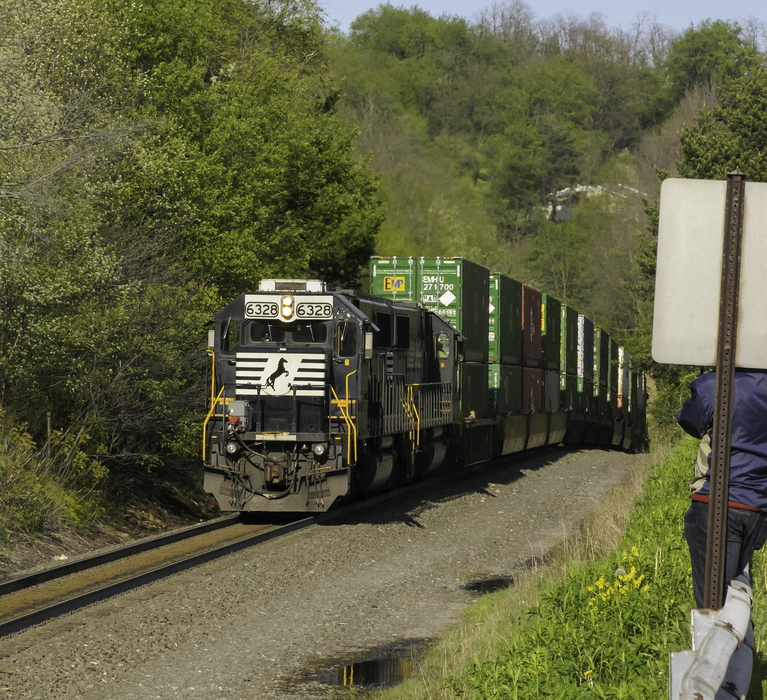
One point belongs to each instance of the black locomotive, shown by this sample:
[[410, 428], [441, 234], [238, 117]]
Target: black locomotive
[[318, 396]]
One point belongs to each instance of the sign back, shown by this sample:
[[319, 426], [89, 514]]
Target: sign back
[[689, 274]]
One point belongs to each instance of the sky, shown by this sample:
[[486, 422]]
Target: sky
[[677, 14]]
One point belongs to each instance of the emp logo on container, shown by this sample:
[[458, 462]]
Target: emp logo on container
[[394, 284]]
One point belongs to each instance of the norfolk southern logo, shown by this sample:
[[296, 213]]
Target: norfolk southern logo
[[270, 374], [277, 374]]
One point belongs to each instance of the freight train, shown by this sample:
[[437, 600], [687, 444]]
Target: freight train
[[321, 395]]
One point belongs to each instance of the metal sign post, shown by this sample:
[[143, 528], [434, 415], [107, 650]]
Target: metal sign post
[[716, 544]]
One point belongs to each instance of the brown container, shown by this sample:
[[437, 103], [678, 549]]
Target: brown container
[[531, 327], [532, 390]]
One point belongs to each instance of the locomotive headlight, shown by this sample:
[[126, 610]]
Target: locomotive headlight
[[232, 449], [286, 308], [319, 449]]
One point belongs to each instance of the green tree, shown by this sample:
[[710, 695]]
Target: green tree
[[711, 53], [732, 135], [258, 175]]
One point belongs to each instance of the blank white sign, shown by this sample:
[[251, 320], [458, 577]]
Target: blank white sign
[[689, 274]]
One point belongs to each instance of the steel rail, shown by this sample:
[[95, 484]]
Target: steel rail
[[36, 617], [144, 545]]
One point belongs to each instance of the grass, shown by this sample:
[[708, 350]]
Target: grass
[[599, 620]]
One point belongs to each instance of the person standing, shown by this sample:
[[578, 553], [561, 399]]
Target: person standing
[[747, 499], [747, 496]]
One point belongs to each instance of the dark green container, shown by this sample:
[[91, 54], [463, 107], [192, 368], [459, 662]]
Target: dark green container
[[568, 392], [551, 314], [458, 290], [395, 278], [505, 321], [614, 364], [601, 357], [602, 405], [584, 394], [568, 337], [641, 402], [505, 385], [634, 376], [473, 389], [551, 390]]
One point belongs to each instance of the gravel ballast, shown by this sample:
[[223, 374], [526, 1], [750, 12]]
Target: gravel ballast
[[254, 624]]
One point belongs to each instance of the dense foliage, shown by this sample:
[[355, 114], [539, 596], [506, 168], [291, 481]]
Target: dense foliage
[[537, 147], [155, 159], [529, 145]]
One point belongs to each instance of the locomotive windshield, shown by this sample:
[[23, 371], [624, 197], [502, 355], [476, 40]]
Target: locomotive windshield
[[298, 333]]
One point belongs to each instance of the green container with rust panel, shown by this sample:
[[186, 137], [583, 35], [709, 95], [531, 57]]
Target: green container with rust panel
[[551, 324], [601, 357], [505, 320], [505, 386], [395, 278], [458, 290], [568, 341]]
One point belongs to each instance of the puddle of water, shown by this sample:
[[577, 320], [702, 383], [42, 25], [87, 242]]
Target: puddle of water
[[387, 669], [490, 585]]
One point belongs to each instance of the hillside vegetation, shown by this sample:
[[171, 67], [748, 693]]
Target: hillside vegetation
[[531, 145], [158, 158]]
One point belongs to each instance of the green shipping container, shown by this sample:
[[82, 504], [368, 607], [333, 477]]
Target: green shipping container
[[568, 341], [505, 385], [473, 387], [568, 392], [614, 364], [551, 323], [458, 290], [601, 357], [584, 393], [455, 288], [505, 320], [395, 278], [602, 405]]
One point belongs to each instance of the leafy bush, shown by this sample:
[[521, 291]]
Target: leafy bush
[[45, 489]]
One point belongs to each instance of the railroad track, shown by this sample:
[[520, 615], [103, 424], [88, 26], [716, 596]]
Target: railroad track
[[30, 600]]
